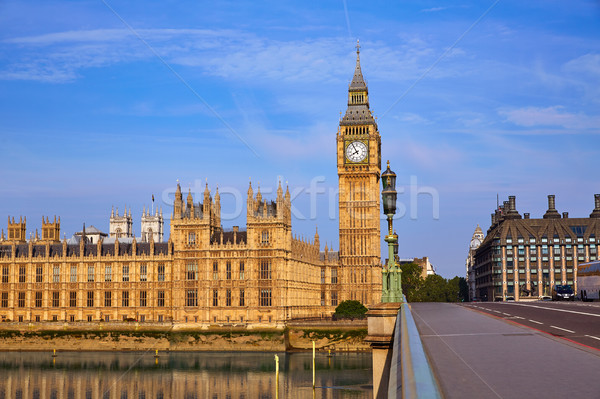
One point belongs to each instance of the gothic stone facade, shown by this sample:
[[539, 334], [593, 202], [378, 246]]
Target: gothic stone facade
[[204, 274], [522, 257]]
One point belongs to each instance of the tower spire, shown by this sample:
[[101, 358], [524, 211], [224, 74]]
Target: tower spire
[[358, 82], [358, 112]]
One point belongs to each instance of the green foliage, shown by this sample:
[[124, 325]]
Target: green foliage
[[350, 309], [411, 280], [334, 335], [435, 288], [457, 290]]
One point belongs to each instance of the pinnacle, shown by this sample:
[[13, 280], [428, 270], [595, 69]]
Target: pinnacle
[[358, 82]]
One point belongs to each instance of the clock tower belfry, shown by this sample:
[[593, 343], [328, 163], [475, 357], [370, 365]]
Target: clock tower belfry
[[359, 169]]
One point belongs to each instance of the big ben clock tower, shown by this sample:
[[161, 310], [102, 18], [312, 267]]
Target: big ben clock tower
[[359, 168]]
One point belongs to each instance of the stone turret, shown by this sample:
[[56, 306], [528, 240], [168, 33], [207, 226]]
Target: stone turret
[[217, 208], [207, 202], [178, 203], [551, 213], [596, 212], [50, 230], [511, 210], [121, 226], [190, 203], [152, 226], [17, 230], [250, 201]]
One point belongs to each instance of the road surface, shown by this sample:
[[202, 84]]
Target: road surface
[[575, 321], [476, 355]]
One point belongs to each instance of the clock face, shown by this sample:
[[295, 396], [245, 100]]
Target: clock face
[[356, 151]]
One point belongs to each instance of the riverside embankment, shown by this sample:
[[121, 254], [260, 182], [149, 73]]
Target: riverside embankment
[[131, 336]]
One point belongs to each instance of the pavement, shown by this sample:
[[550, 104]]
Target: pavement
[[475, 355]]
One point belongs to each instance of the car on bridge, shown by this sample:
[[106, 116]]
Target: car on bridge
[[563, 292]]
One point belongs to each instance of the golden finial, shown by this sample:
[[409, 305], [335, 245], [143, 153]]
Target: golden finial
[[388, 163]]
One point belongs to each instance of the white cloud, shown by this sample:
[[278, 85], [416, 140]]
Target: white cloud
[[588, 64], [59, 57], [550, 116], [434, 9], [410, 117]]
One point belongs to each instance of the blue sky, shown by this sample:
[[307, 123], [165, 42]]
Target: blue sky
[[105, 103]]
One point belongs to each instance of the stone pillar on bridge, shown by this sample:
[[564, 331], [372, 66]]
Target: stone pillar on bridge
[[381, 323]]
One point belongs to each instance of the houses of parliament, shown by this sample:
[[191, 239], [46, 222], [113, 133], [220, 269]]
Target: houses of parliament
[[204, 274]]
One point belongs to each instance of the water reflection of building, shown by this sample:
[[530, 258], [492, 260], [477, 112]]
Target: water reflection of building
[[218, 376], [206, 275]]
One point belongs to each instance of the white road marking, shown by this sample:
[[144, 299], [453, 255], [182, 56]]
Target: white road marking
[[496, 311], [519, 317], [536, 322], [591, 336], [459, 335], [556, 310], [564, 329], [506, 314]]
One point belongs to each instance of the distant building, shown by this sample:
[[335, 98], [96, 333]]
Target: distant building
[[121, 226], [522, 257], [476, 241], [427, 268], [92, 235], [152, 226]]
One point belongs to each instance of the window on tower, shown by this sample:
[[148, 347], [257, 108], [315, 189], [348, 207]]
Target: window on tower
[[56, 274], [265, 237], [191, 271], [143, 272], [265, 269], [125, 298], [265, 297]]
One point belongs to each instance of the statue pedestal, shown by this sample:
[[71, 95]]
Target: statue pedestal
[[381, 320]]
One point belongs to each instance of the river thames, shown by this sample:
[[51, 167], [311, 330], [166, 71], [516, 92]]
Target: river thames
[[188, 375]]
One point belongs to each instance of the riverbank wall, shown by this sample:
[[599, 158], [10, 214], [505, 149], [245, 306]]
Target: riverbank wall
[[131, 336]]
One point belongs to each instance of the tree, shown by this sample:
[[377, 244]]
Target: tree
[[434, 289], [350, 309], [411, 280], [457, 290], [463, 289]]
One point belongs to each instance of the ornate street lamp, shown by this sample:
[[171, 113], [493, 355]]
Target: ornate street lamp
[[391, 273]]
